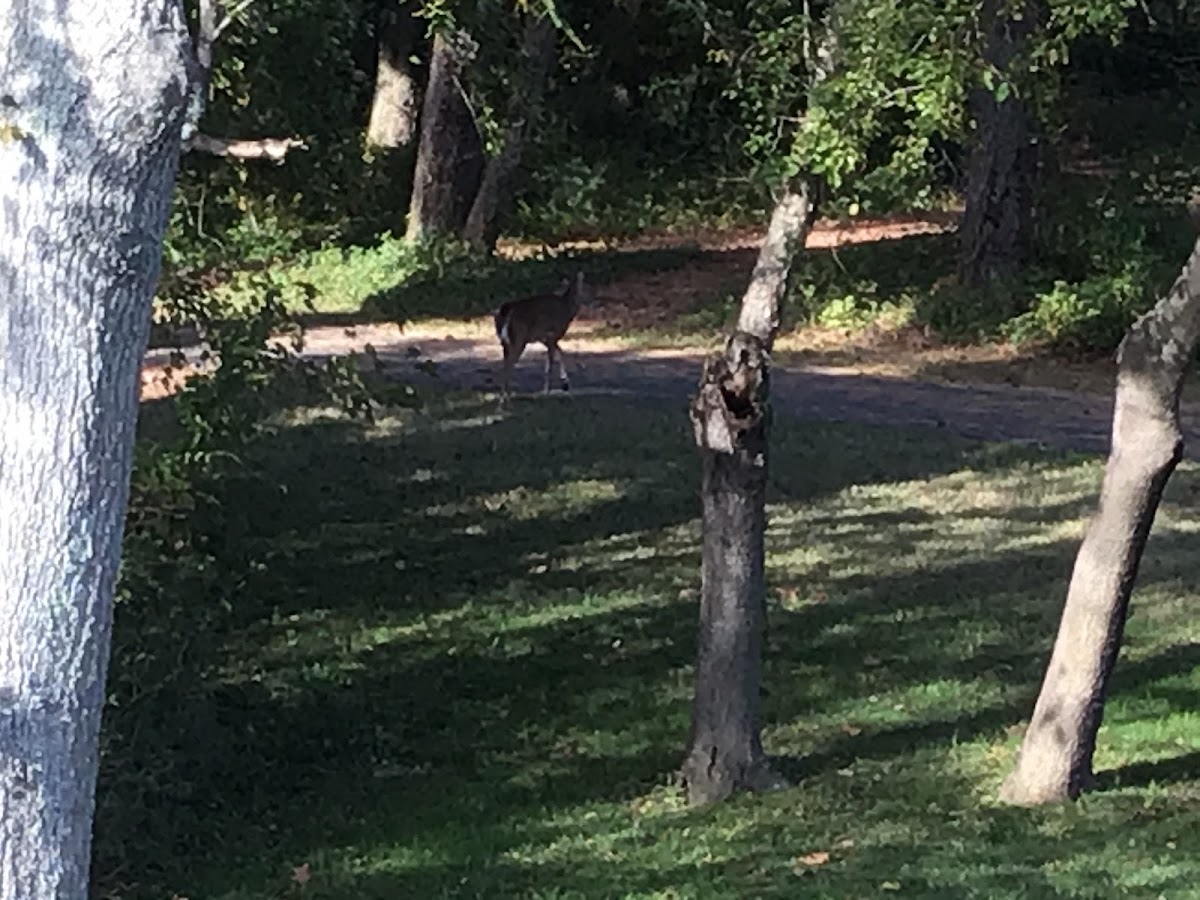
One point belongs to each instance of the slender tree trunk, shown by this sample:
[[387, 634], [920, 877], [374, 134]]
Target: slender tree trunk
[[393, 122], [1055, 761], [92, 108], [731, 423], [499, 173], [998, 222], [450, 154]]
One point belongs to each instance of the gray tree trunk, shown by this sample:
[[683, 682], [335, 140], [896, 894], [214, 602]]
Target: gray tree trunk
[[997, 231], [92, 107], [1055, 761], [393, 122], [499, 172], [731, 421], [450, 152]]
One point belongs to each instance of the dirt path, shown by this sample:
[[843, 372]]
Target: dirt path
[[889, 379], [1001, 412]]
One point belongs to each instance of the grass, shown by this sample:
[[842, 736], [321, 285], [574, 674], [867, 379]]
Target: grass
[[460, 667], [392, 281]]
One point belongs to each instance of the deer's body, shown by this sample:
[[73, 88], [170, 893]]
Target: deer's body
[[538, 319]]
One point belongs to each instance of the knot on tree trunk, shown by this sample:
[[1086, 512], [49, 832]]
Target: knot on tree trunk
[[730, 411]]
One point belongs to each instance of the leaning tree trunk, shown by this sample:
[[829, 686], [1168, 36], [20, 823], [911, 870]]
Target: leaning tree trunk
[[499, 173], [730, 422], [393, 122], [1055, 761], [450, 154], [91, 108], [998, 223]]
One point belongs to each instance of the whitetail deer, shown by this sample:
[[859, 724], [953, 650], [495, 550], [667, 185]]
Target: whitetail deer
[[539, 319]]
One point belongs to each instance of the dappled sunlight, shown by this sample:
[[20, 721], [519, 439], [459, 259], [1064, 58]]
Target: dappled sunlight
[[556, 501], [883, 530], [467, 660]]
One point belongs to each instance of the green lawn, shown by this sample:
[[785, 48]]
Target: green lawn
[[462, 669]]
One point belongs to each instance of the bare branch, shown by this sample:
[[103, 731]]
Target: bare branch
[[274, 149], [231, 16], [207, 32]]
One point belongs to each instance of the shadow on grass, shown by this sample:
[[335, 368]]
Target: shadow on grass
[[1171, 771], [475, 287], [468, 653]]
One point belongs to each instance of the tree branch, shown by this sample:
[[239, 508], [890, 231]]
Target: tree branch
[[274, 149], [230, 16], [207, 32]]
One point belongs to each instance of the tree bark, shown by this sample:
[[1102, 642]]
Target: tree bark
[[1055, 760], [731, 425], [92, 108], [450, 152], [499, 172], [998, 222], [393, 122]]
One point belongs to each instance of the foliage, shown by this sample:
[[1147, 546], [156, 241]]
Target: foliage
[[288, 68], [468, 673], [877, 129], [1108, 258], [964, 314], [455, 284], [1093, 314], [575, 198], [185, 558], [714, 89], [336, 279]]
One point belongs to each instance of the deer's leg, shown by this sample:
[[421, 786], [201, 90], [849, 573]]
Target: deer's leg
[[551, 353], [563, 381], [512, 353]]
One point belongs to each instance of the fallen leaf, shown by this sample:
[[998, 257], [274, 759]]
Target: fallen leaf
[[890, 886], [302, 874], [814, 859]]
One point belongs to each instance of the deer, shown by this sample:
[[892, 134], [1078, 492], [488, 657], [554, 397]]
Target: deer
[[539, 319]]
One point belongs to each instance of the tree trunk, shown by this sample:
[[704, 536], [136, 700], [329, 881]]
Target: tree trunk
[[731, 422], [92, 108], [496, 188], [393, 122], [998, 222], [450, 154], [1055, 761]]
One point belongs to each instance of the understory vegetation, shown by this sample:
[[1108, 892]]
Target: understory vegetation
[[617, 157]]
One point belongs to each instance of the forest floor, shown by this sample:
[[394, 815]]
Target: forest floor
[[890, 377]]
